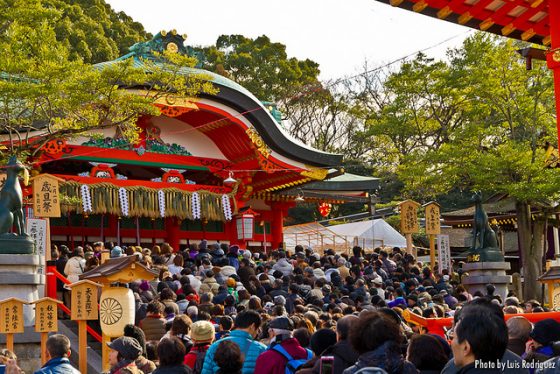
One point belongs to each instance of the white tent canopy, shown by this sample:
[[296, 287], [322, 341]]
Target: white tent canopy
[[367, 234], [370, 234]]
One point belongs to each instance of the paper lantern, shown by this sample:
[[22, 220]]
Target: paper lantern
[[325, 209], [116, 310]]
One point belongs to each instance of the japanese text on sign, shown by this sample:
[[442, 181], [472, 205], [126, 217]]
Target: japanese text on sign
[[46, 199], [12, 317], [432, 219], [409, 217], [444, 252], [84, 302]]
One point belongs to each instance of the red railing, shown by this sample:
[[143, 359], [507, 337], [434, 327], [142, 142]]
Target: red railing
[[439, 325], [52, 276]]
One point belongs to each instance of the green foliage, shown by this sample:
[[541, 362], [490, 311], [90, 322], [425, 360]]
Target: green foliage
[[47, 94], [259, 65]]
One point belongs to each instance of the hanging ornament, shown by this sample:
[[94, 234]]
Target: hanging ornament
[[86, 198], [227, 207], [195, 203], [161, 198], [123, 197], [325, 209]]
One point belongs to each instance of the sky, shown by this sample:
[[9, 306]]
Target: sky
[[340, 35]]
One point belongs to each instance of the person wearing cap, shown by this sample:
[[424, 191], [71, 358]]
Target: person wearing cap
[[378, 288], [246, 328], [58, 351], [202, 334], [142, 363], [116, 252], [123, 354], [541, 348], [283, 348]]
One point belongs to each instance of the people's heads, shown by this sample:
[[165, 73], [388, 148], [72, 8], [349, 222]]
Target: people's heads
[[202, 332], [343, 326], [78, 252], [58, 345], [519, 328], [171, 352], [228, 357], [426, 352], [226, 323], [181, 325], [155, 307], [248, 320], [545, 332], [303, 336], [478, 335], [321, 340], [530, 305], [136, 333], [124, 348], [371, 330]]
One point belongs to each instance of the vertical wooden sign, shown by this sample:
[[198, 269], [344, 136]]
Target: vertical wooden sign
[[11, 319], [46, 196], [433, 228], [46, 320], [84, 307], [409, 221]]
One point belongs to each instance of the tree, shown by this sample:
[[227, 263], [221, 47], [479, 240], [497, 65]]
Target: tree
[[498, 146], [261, 66], [45, 94]]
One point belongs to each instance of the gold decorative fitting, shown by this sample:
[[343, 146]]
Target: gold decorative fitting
[[508, 29], [420, 6], [258, 142], [173, 32], [546, 40], [464, 18], [443, 13], [172, 47], [163, 33], [315, 173], [396, 2], [184, 36], [528, 34], [486, 24], [556, 55]]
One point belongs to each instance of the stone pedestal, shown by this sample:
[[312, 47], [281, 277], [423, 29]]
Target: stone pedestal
[[483, 273], [20, 278]]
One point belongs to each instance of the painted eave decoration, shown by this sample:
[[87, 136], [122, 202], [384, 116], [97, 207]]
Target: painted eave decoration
[[526, 20]]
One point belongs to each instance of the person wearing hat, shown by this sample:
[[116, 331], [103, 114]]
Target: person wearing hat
[[545, 333], [124, 352], [284, 349], [142, 363], [202, 334], [116, 252], [377, 288]]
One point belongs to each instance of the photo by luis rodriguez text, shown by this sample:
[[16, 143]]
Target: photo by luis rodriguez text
[[505, 365]]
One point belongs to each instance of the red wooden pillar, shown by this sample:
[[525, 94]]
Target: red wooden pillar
[[279, 210], [553, 56], [172, 226]]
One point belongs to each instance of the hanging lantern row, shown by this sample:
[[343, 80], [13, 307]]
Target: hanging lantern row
[[139, 201]]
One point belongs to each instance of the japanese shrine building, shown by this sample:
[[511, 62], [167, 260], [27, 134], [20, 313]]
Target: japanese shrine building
[[170, 186]]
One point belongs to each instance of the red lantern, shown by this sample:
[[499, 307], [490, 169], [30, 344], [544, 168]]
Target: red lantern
[[325, 209]]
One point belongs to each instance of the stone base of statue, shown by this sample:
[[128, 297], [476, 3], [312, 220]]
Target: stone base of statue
[[20, 277], [11, 243], [485, 255], [482, 273]]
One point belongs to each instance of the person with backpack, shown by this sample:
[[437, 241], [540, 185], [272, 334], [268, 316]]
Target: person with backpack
[[285, 355], [246, 328], [202, 334]]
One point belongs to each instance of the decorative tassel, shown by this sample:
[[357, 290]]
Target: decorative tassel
[[123, 198], [86, 198], [195, 202], [227, 207], [161, 198]]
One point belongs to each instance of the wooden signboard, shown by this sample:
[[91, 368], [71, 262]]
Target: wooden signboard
[[409, 217], [46, 318], [84, 300], [432, 218], [46, 197], [11, 316]]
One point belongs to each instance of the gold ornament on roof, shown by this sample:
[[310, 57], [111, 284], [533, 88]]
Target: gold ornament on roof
[[315, 173], [258, 142], [172, 47]]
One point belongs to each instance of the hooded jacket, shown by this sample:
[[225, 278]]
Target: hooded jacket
[[387, 357], [273, 362], [250, 348], [284, 266]]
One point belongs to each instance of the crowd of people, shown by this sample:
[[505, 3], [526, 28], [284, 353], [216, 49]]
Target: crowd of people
[[219, 309]]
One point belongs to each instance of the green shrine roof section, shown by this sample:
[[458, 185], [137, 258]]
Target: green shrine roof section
[[266, 121]]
